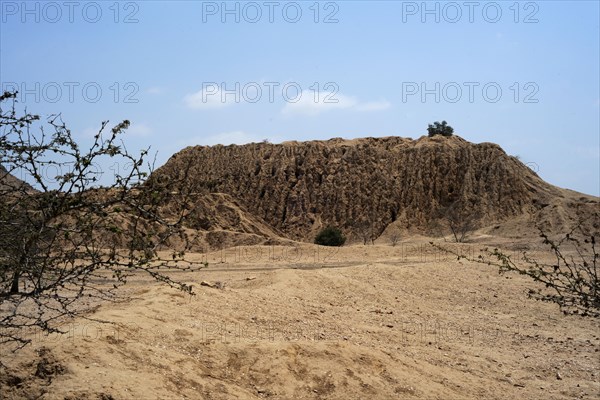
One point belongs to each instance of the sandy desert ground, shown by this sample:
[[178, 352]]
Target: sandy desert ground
[[308, 322]]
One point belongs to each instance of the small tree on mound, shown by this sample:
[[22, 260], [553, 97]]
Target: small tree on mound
[[440, 129], [461, 220], [330, 236], [395, 237]]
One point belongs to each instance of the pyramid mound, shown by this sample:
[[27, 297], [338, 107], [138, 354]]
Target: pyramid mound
[[299, 187]]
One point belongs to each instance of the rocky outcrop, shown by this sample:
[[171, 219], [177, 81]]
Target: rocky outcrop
[[297, 188]]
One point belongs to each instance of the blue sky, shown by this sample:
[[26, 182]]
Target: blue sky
[[524, 75]]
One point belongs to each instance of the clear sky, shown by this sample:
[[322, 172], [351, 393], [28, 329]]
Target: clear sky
[[524, 75]]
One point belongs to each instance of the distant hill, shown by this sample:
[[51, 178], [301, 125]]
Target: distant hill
[[298, 188], [9, 182]]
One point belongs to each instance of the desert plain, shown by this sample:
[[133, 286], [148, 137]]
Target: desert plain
[[311, 322]]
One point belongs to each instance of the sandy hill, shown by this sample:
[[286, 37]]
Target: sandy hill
[[296, 188]]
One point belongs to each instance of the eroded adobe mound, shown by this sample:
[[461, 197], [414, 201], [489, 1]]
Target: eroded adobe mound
[[297, 188]]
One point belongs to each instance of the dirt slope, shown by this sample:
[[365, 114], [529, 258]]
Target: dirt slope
[[218, 221]]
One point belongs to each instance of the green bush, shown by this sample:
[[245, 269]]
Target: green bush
[[330, 236], [440, 129]]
